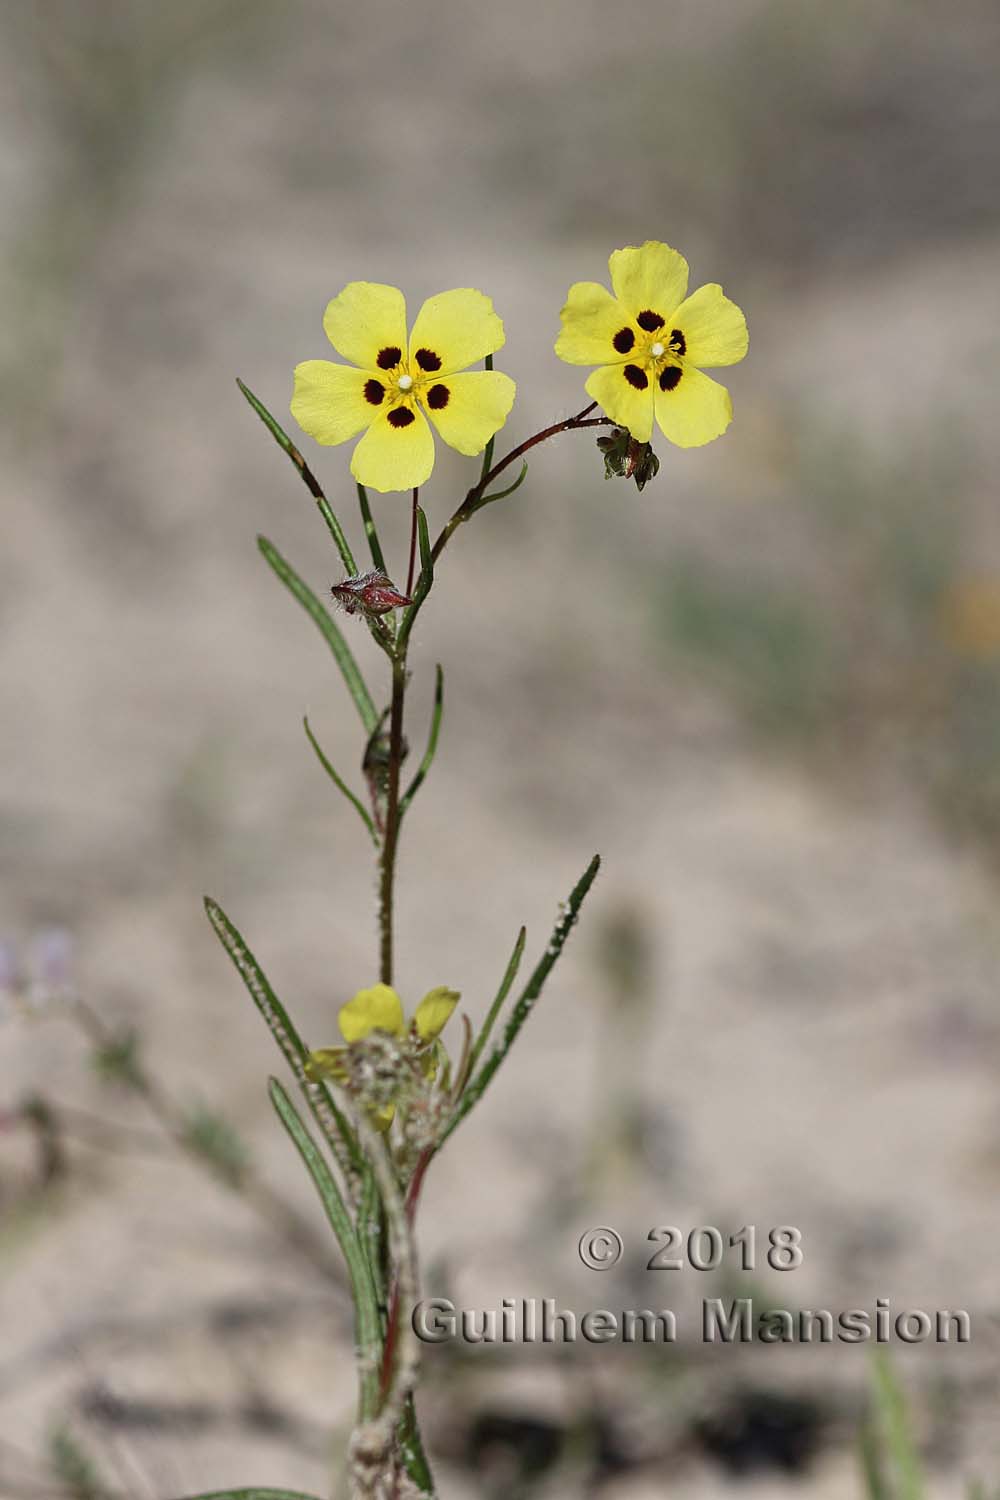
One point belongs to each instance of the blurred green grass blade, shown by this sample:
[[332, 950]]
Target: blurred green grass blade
[[368, 1323], [871, 1464], [328, 1117], [74, 1467], [340, 784], [432, 740], [893, 1421], [510, 974], [328, 627], [424, 581], [501, 494], [309, 478], [368, 521], [528, 996]]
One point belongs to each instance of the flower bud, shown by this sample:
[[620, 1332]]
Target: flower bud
[[625, 458], [371, 593]]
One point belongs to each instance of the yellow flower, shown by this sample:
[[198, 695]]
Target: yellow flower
[[397, 379], [380, 1009], [651, 341]]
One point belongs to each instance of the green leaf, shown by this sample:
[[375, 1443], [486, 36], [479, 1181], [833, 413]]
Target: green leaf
[[309, 478], [432, 740], [328, 627], [366, 1310], [510, 974], [341, 785], [500, 494], [528, 996], [371, 1234], [368, 521], [253, 1494], [328, 1117]]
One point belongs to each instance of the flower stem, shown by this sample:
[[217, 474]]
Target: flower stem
[[390, 837], [468, 505]]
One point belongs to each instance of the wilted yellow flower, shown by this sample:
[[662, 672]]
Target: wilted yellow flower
[[651, 341], [398, 377]]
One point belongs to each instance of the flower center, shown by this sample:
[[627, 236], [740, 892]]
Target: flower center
[[656, 349], [405, 382]]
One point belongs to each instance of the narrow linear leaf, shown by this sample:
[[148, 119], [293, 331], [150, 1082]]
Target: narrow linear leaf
[[366, 1310], [328, 627], [510, 974], [370, 1233], [501, 494], [368, 521], [309, 478], [424, 582], [432, 740], [252, 1495], [328, 1117], [528, 996], [894, 1421], [340, 784]]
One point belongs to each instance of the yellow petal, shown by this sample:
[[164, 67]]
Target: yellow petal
[[326, 1062], [392, 457], [365, 321], [626, 394], [714, 329], [592, 319], [330, 401], [649, 278], [377, 1009], [434, 1012], [697, 410], [456, 328], [468, 409]]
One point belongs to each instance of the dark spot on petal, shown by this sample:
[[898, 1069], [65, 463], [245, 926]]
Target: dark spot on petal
[[636, 377], [427, 359], [624, 340], [400, 416], [438, 396], [389, 357], [374, 392], [670, 378], [678, 342], [649, 320]]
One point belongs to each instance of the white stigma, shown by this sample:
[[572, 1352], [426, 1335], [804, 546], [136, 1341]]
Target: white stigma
[[405, 381], [656, 350]]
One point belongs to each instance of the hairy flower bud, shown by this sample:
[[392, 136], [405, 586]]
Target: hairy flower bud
[[371, 593]]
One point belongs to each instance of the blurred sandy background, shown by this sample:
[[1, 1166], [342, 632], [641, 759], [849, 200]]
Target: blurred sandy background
[[766, 690]]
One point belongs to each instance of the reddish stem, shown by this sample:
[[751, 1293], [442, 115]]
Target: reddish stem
[[392, 1327]]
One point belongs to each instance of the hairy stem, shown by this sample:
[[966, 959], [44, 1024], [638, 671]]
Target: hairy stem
[[390, 838]]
